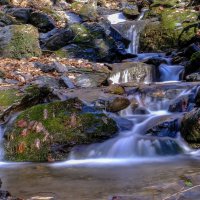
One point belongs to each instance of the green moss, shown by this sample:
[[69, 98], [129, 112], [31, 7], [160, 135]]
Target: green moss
[[8, 97], [164, 3], [165, 35], [23, 42], [82, 34], [64, 124]]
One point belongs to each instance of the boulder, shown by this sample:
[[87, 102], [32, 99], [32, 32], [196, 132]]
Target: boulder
[[48, 132], [21, 14], [130, 10], [42, 21], [194, 77], [60, 39], [113, 104], [19, 41], [190, 126]]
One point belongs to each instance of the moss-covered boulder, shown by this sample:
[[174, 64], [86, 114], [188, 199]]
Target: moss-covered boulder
[[19, 41], [48, 131], [7, 19], [190, 126], [170, 31]]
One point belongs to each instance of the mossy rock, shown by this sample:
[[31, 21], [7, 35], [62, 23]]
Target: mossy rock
[[50, 130], [8, 97], [168, 33], [19, 41], [190, 126], [164, 3]]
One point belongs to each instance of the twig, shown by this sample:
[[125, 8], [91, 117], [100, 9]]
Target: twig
[[181, 192]]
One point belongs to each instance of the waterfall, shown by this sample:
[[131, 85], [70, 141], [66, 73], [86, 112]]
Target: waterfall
[[133, 36], [170, 72], [1, 143], [136, 143]]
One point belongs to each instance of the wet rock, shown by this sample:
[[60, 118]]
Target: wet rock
[[190, 126], [168, 128], [184, 103], [21, 14], [19, 41], [197, 98], [4, 2], [140, 111], [6, 19], [4, 195], [115, 104], [124, 124], [115, 89], [194, 77], [55, 133], [42, 21], [193, 65]]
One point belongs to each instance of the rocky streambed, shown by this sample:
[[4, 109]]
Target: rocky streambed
[[102, 82]]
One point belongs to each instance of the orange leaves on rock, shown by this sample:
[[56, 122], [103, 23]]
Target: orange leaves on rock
[[22, 123], [21, 147]]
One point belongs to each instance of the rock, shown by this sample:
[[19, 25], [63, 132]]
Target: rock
[[88, 11], [90, 42], [191, 49], [116, 104], [190, 126], [19, 41], [67, 82], [4, 2], [6, 19], [46, 81], [130, 10], [197, 98], [42, 21], [131, 72], [65, 126], [59, 40], [115, 89], [124, 124], [194, 63], [91, 80], [32, 3], [169, 33], [184, 103], [194, 77], [5, 195], [140, 111], [21, 14]]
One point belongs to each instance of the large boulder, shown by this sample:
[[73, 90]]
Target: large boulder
[[19, 41], [190, 126], [49, 131]]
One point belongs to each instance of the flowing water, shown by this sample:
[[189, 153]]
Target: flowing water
[[125, 164]]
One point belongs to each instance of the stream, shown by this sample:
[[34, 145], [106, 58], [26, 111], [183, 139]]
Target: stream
[[125, 164]]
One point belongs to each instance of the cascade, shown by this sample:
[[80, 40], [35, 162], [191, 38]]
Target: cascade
[[1, 144]]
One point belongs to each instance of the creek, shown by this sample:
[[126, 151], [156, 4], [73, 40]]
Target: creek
[[126, 163]]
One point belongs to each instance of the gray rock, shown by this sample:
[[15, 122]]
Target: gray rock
[[42, 21], [21, 14], [67, 82]]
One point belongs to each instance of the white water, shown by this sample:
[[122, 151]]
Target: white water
[[1, 144], [133, 36], [134, 144], [170, 72], [116, 18]]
